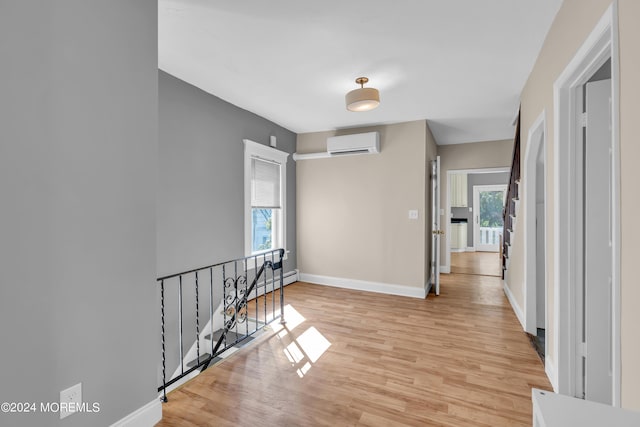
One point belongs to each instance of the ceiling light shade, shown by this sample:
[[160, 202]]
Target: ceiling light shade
[[364, 98]]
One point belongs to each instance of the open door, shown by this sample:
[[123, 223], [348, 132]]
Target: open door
[[597, 238], [436, 232]]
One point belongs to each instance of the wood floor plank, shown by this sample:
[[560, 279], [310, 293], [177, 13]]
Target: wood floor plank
[[483, 263], [364, 359]]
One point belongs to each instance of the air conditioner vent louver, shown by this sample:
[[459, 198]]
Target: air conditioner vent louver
[[342, 153]]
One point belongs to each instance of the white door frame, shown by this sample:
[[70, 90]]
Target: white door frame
[[476, 209], [434, 278], [599, 46], [446, 267], [535, 140]]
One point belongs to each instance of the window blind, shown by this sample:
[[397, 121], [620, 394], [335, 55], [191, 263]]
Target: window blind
[[265, 184]]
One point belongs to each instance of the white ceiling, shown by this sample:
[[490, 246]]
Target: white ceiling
[[460, 64]]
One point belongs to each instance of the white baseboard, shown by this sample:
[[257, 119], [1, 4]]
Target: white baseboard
[[287, 279], [550, 370], [146, 416], [471, 248], [362, 285], [514, 303], [445, 269], [458, 249], [291, 276]]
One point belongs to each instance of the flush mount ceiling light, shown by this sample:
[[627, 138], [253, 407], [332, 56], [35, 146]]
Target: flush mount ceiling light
[[364, 98]]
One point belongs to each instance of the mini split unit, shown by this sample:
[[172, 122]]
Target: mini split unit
[[359, 143]]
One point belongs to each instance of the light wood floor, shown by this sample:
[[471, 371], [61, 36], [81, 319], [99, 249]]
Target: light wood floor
[[482, 263], [364, 359]]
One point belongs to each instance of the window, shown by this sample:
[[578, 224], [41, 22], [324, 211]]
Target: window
[[265, 177]]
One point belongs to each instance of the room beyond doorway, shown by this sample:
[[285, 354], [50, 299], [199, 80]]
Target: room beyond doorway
[[476, 263], [462, 224]]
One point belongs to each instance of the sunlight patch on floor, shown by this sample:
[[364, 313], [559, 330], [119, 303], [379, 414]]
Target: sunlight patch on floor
[[304, 350], [293, 319], [302, 371], [313, 343], [294, 353]]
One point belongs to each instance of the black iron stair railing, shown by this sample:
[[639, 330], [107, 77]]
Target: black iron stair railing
[[241, 280]]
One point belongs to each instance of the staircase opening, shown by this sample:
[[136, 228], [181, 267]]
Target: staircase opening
[[209, 312]]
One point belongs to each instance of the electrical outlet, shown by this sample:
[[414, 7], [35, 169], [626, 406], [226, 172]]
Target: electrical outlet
[[413, 214], [70, 399]]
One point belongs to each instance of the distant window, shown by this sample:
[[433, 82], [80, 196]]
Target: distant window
[[265, 197]]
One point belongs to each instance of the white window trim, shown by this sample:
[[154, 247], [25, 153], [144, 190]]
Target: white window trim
[[253, 149]]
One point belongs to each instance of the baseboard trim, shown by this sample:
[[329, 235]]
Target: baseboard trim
[[146, 416], [471, 248], [514, 305], [445, 269], [291, 277], [287, 279], [363, 285]]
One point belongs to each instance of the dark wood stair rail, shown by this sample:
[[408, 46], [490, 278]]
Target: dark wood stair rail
[[509, 211]]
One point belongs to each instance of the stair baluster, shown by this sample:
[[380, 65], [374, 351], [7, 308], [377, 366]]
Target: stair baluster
[[509, 211], [236, 296]]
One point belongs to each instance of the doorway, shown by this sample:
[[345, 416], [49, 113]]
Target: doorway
[[464, 254], [535, 203], [436, 232], [595, 211], [488, 206], [586, 217]]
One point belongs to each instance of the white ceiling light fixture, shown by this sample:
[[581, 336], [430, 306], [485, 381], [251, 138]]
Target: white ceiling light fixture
[[364, 98]]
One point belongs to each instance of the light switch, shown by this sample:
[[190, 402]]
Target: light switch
[[441, 212], [470, 209], [413, 214]]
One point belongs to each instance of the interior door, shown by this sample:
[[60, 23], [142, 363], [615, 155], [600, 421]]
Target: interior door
[[488, 204], [436, 232], [597, 265]]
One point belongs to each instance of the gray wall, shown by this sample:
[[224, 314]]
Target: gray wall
[[78, 159], [477, 179], [200, 210]]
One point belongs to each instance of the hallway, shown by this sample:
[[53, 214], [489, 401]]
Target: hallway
[[358, 358], [478, 263]]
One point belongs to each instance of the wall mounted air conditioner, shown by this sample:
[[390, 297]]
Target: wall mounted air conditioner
[[359, 143]]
